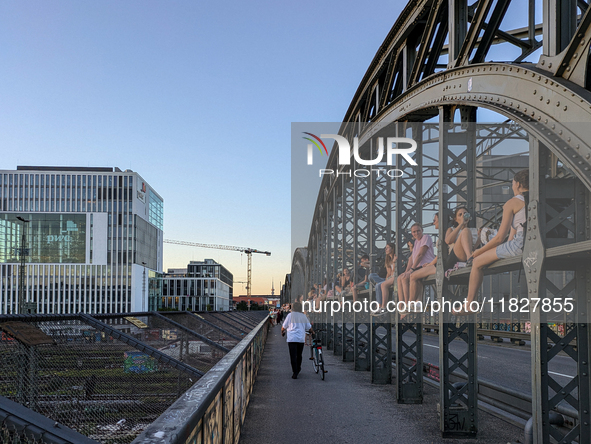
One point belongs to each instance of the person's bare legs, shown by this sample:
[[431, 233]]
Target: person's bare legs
[[404, 286], [463, 246], [477, 275], [400, 288], [416, 282], [386, 290]]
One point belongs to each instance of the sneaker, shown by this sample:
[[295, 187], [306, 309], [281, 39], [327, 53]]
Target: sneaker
[[294, 376]]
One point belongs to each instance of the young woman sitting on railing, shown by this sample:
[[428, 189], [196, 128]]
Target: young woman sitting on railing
[[459, 239], [377, 280], [512, 223]]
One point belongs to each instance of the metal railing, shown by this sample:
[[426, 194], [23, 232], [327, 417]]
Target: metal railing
[[216, 405]]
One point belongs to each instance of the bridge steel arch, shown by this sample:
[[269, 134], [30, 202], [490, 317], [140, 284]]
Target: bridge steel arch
[[432, 64]]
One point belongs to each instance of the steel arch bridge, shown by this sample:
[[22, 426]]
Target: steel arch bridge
[[426, 81]]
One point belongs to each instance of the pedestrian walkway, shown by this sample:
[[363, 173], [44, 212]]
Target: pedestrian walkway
[[344, 408]]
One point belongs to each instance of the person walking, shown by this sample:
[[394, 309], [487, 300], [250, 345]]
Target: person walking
[[295, 325]]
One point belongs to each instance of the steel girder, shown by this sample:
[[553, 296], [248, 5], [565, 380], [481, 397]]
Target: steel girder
[[409, 210], [415, 77], [457, 153], [361, 341]]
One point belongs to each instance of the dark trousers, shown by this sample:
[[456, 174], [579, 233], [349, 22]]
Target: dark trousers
[[295, 353]]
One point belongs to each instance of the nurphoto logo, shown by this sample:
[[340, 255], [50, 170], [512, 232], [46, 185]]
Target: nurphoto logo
[[391, 148]]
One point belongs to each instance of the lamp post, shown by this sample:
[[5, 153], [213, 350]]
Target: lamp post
[[21, 277]]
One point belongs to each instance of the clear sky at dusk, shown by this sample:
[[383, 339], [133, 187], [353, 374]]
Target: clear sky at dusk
[[198, 97]]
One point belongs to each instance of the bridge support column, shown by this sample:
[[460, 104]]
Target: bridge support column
[[337, 329], [323, 322], [361, 341], [348, 334], [409, 210], [409, 360], [329, 331], [459, 403], [381, 349], [548, 391]]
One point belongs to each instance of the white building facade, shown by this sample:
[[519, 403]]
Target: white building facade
[[92, 239], [202, 286]]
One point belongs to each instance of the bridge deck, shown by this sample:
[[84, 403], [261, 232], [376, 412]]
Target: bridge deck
[[345, 408]]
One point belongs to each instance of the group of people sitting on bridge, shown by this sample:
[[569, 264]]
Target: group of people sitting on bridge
[[465, 245]]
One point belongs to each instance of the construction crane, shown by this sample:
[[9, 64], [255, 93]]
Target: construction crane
[[248, 252]]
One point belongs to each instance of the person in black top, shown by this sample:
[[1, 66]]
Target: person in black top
[[361, 275]]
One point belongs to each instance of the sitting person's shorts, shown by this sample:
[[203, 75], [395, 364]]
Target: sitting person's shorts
[[511, 248]]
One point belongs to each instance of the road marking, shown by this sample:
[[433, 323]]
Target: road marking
[[561, 374], [429, 345]]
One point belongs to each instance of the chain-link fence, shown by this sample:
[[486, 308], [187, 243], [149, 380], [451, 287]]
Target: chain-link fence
[[106, 378]]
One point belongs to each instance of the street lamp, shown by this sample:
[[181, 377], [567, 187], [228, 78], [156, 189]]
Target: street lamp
[[21, 278]]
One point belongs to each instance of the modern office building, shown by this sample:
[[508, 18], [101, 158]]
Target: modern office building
[[91, 237], [201, 286]]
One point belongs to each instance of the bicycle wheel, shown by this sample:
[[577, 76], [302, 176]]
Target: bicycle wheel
[[315, 362], [321, 364], [313, 358]]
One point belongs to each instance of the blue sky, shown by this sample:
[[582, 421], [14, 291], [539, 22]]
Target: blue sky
[[198, 97]]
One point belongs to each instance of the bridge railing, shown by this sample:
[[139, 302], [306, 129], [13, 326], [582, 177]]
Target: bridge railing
[[216, 405]]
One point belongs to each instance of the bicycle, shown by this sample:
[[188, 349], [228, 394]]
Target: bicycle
[[316, 355]]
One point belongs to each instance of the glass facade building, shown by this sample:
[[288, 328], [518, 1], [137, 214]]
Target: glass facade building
[[91, 238], [202, 286]]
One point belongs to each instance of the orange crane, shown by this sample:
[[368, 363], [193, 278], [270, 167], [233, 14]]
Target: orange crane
[[248, 252]]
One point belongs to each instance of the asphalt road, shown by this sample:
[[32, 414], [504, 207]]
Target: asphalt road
[[505, 364]]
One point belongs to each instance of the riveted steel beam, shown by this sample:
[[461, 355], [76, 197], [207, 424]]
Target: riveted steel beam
[[459, 405]]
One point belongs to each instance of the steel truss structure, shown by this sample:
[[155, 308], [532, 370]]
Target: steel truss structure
[[434, 66]]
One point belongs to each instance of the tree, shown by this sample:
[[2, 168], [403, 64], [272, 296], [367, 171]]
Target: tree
[[242, 306]]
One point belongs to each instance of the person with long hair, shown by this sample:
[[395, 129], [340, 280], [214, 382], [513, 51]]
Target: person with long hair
[[459, 238], [377, 280], [512, 224], [345, 284]]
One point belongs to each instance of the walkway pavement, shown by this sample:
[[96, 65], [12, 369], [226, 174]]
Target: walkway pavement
[[344, 408]]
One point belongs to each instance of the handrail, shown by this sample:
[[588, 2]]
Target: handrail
[[30, 424], [183, 420]]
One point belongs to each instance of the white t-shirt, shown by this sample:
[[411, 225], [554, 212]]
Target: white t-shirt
[[296, 324]]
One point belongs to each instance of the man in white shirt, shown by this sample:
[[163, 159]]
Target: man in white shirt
[[296, 324]]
